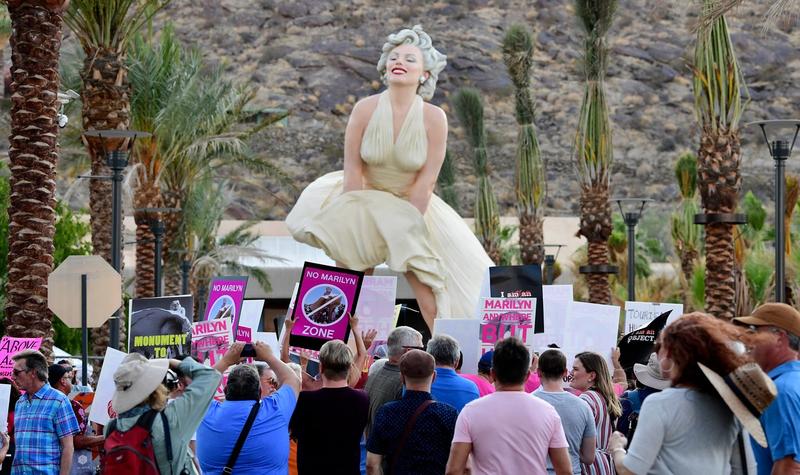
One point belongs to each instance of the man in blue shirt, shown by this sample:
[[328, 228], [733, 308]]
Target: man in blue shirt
[[775, 349], [44, 422], [448, 386]]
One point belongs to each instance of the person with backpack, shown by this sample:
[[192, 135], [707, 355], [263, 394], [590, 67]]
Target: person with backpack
[[649, 380], [148, 436]]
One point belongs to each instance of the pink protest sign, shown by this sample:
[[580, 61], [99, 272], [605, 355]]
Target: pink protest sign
[[243, 334], [10, 346], [211, 339], [325, 297], [225, 298], [504, 317]]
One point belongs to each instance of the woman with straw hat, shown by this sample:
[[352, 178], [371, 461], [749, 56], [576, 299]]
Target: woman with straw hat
[[699, 425]]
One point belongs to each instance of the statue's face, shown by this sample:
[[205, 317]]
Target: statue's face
[[404, 66]]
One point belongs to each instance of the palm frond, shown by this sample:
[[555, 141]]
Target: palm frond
[[109, 24]]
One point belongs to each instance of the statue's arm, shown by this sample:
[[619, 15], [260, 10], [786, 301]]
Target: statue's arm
[[356, 124], [425, 182]]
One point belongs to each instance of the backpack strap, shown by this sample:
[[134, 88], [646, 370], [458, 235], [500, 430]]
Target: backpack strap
[[167, 439], [406, 433], [240, 441]]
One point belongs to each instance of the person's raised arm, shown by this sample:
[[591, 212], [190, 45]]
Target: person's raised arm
[[230, 358], [560, 459], [288, 324], [66, 455], [421, 190], [361, 353], [283, 373], [459, 455], [619, 372], [353, 134]]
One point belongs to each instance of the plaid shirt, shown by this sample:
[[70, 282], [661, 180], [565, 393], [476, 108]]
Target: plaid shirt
[[39, 424]]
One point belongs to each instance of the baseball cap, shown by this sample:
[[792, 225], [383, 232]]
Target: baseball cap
[[774, 314]]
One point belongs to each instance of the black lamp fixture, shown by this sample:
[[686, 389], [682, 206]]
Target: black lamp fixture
[[550, 262], [780, 150], [122, 142], [631, 210]]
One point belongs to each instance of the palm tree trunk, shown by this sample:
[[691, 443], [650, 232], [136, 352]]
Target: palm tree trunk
[[720, 181], [596, 228], [146, 195], [599, 289], [33, 153], [531, 237], [106, 105]]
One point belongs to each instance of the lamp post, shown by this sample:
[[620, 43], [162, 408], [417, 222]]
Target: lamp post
[[117, 159], [780, 150], [158, 228], [550, 263], [631, 216]]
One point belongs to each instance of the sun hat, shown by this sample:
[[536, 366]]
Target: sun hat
[[650, 374], [774, 314], [135, 379], [747, 391]]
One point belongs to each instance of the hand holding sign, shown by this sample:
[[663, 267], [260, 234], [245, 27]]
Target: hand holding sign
[[263, 351]]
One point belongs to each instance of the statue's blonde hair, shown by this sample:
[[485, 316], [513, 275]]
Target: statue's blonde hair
[[432, 60]]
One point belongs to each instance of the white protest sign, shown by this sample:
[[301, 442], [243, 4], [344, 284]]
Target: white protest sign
[[102, 411], [251, 313], [271, 339], [640, 314], [557, 300], [505, 317], [591, 327], [375, 309], [467, 332], [5, 399]]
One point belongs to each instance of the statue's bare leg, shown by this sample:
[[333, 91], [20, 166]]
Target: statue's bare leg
[[425, 299]]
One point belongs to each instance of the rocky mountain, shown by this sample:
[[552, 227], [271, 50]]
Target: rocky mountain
[[316, 58]]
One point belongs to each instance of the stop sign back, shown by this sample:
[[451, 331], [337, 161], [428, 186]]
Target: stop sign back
[[103, 291]]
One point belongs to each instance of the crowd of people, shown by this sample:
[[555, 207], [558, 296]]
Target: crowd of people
[[714, 397]]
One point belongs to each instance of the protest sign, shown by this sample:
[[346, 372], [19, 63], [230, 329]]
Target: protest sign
[[376, 306], [519, 282], [467, 332], [102, 411], [636, 346], [10, 346], [271, 339], [211, 339], [640, 314], [591, 327], [225, 298], [325, 297], [160, 327], [5, 400], [557, 302], [505, 317], [252, 311]]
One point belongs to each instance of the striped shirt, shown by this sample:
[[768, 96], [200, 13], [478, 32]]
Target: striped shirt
[[40, 422], [603, 465]]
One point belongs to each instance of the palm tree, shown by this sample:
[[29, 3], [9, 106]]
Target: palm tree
[[686, 234], [104, 29], [529, 180], [718, 90], [33, 153], [469, 109], [593, 150]]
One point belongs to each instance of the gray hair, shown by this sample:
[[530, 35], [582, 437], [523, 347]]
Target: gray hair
[[445, 350], [298, 370], [400, 337], [35, 361], [336, 359], [243, 384], [432, 60]]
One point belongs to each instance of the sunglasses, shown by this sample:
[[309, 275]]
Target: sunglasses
[[414, 348]]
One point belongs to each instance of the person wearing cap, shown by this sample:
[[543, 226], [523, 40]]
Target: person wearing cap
[[483, 380], [576, 416], [60, 379], [44, 422], [696, 425], [419, 446], [509, 431], [138, 389], [774, 346], [449, 387], [649, 380]]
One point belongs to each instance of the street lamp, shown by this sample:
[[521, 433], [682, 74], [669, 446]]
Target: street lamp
[[550, 263], [631, 210], [780, 150], [116, 146]]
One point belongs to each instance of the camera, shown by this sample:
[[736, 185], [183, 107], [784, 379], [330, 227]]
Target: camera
[[249, 351]]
